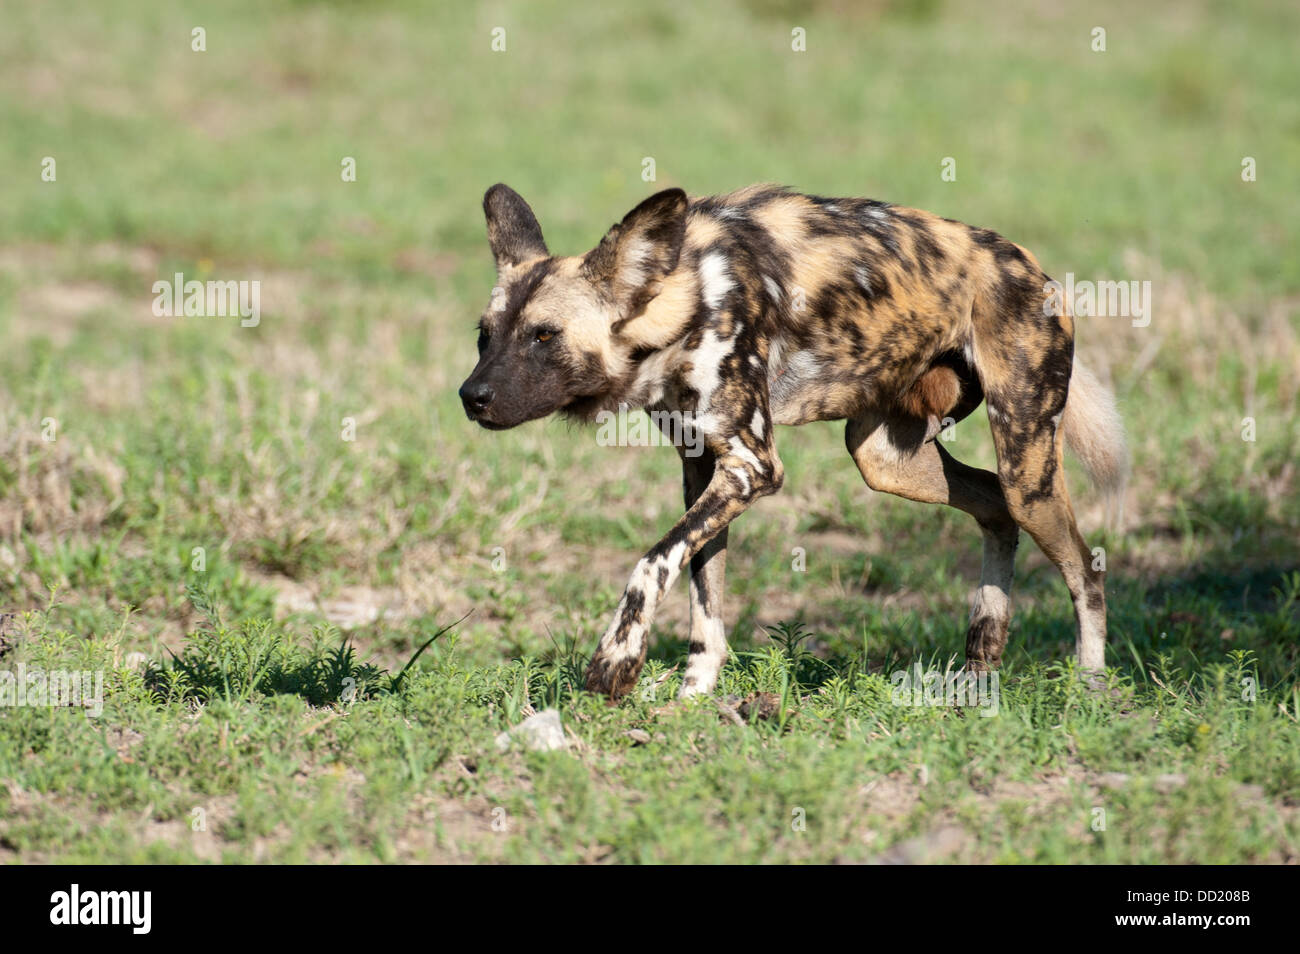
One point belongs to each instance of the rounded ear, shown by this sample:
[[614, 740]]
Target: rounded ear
[[513, 232], [635, 256]]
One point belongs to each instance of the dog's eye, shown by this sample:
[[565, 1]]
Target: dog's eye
[[482, 338], [543, 335]]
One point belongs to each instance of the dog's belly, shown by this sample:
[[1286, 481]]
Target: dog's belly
[[805, 386]]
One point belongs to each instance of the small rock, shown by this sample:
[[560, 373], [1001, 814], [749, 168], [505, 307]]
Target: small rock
[[541, 733], [639, 736], [136, 661]]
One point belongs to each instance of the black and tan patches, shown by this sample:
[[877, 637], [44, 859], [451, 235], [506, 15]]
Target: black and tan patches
[[767, 307]]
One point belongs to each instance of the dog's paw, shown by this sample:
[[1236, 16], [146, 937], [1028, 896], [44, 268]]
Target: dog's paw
[[613, 678], [985, 640]]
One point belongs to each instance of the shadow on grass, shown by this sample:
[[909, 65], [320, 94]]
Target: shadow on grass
[[255, 658], [1184, 617]]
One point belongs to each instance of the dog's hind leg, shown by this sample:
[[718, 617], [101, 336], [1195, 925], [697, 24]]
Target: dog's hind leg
[[708, 646], [1025, 363], [1032, 473], [895, 456]]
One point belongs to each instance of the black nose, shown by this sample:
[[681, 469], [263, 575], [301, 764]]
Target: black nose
[[476, 397]]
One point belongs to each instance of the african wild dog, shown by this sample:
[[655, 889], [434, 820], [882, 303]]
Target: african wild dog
[[768, 307]]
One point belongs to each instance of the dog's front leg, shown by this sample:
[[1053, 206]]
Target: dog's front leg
[[708, 645], [739, 478]]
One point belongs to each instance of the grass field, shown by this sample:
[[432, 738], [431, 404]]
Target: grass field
[[252, 530]]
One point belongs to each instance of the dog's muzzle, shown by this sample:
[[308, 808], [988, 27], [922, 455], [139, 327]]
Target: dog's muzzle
[[476, 398]]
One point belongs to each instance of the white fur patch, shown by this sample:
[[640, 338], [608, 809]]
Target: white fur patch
[[991, 602], [706, 423], [706, 363], [881, 447], [702, 667], [738, 449], [1092, 642], [648, 385], [773, 289], [774, 356], [636, 252], [645, 577], [715, 280], [786, 379], [863, 278]]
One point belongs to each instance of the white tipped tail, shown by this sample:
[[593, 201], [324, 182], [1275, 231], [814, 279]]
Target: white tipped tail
[[1095, 433]]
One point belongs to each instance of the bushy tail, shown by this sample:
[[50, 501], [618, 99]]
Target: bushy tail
[[1095, 433]]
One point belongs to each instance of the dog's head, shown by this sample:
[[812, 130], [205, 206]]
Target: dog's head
[[549, 340]]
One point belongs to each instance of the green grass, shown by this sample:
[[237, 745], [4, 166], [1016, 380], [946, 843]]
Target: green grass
[[254, 744], [255, 679]]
